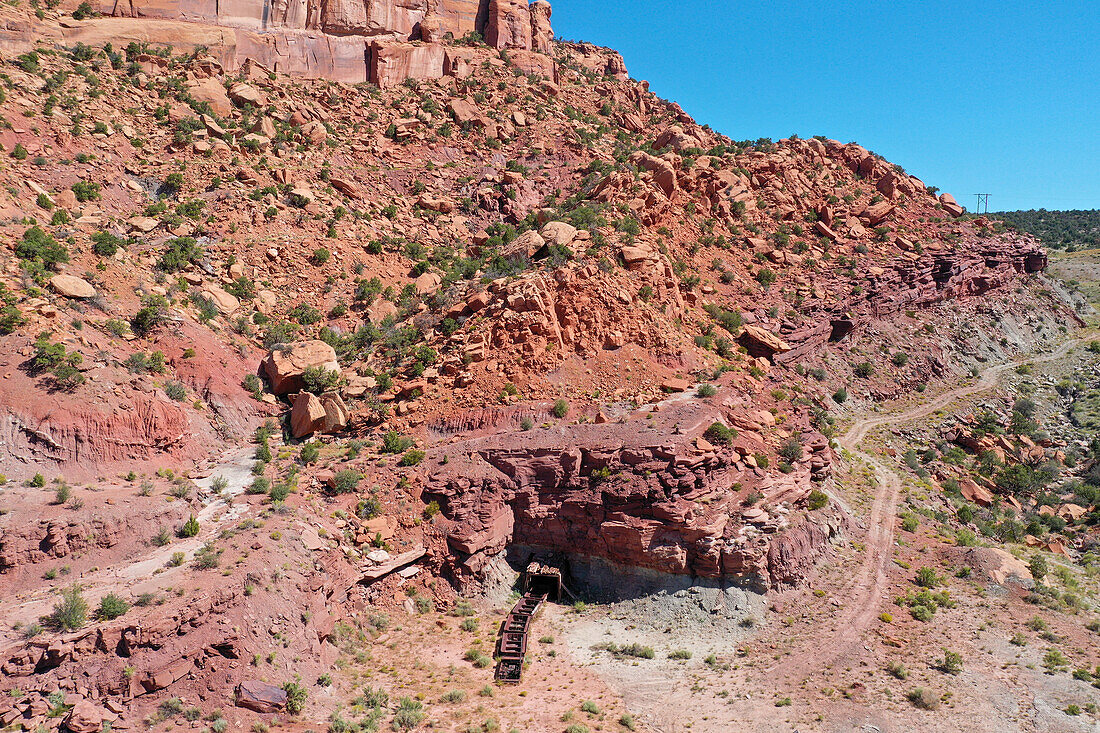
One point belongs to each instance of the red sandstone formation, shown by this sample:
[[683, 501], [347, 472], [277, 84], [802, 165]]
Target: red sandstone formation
[[382, 41]]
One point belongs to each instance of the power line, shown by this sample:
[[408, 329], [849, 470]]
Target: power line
[[983, 200]]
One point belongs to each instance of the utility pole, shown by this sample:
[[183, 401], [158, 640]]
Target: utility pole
[[983, 200]]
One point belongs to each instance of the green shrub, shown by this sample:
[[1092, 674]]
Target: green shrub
[[39, 247], [346, 481], [706, 390], [951, 662], [394, 442], [105, 244], [153, 314], [560, 409], [863, 369], [179, 253], [318, 380], [719, 434], [310, 452], [86, 191], [412, 458], [190, 528], [410, 714], [295, 697], [791, 450], [175, 390], [279, 492], [71, 612], [927, 578], [923, 698], [817, 500], [111, 607]]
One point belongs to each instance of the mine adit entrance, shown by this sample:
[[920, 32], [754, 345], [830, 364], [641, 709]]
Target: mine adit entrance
[[541, 583], [540, 579]]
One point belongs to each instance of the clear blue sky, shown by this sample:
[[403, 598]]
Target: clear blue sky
[[999, 97]]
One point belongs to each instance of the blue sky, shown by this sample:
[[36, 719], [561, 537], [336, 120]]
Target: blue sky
[[998, 97]]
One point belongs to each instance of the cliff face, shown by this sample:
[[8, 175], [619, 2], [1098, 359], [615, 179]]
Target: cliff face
[[646, 490], [341, 40]]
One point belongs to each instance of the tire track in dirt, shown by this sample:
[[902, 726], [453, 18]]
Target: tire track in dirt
[[866, 589]]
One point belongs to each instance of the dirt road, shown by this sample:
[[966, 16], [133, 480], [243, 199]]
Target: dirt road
[[866, 589]]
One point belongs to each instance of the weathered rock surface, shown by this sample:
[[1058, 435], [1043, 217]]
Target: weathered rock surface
[[72, 286], [260, 696], [342, 40], [286, 363], [630, 495]]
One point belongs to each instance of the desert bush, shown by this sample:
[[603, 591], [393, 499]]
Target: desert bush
[[346, 481], [923, 698], [190, 528], [111, 607], [71, 612]]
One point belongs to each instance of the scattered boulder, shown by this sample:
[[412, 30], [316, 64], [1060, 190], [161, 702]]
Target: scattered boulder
[[523, 246], [559, 233], [664, 175], [260, 697], [998, 566], [307, 415], [87, 717], [243, 93], [950, 205], [72, 286], [286, 364], [226, 303], [760, 342], [211, 91]]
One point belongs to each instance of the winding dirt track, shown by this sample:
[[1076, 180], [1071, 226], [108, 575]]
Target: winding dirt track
[[864, 592]]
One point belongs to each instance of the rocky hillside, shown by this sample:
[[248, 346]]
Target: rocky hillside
[[502, 298]]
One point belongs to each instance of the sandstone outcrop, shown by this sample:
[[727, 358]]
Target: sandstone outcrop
[[509, 25], [343, 40], [635, 496]]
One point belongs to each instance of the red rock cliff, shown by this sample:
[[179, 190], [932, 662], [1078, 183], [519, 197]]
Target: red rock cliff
[[342, 40]]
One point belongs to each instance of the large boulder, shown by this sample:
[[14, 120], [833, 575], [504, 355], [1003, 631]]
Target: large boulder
[[559, 233], [226, 303], [523, 246], [312, 414], [998, 566], [664, 175], [87, 717], [286, 364], [260, 696], [307, 415], [336, 413], [211, 91], [72, 286], [950, 205], [246, 94], [762, 342]]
